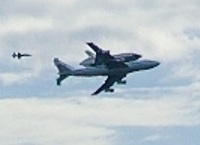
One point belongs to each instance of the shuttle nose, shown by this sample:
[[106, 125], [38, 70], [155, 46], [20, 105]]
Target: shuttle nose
[[138, 56]]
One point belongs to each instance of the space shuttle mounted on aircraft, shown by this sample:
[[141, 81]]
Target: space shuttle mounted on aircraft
[[114, 67], [101, 55]]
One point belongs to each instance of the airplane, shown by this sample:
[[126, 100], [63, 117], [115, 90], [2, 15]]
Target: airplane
[[103, 55], [19, 55], [113, 69]]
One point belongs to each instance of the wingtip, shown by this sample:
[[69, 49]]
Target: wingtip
[[89, 43], [93, 94]]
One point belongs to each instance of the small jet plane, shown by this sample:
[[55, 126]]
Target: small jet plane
[[19, 55], [113, 69], [102, 56]]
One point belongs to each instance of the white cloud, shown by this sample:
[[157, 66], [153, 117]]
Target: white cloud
[[24, 24], [36, 122], [152, 138], [155, 29], [87, 120], [13, 78], [19, 72], [186, 72]]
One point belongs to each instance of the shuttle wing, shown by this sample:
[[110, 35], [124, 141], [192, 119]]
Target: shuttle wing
[[95, 47], [102, 56]]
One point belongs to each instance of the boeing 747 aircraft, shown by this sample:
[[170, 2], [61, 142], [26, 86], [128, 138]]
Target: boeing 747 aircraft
[[113, 69], [101, 56]]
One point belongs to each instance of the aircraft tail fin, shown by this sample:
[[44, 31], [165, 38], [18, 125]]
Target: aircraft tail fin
[[94, 47], [62, 67], [14, 55], [64, 70], [90, 54]]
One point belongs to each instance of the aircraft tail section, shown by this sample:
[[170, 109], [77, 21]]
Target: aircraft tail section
[[18, 55], [62, 67], [90, 54], [64, 70]]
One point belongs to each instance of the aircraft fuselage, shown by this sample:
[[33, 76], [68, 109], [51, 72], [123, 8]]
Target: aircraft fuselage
[[103, 71]]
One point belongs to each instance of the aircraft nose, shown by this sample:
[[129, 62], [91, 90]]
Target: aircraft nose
[[152, 64]]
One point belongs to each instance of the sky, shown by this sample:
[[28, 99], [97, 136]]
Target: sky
[[158, 106]]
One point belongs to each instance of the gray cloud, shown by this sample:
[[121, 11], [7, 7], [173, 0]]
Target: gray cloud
[[59, 29], [192, 33], [47, 29], [85, 120]]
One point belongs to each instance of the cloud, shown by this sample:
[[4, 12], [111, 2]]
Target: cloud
[[13, 78], [167, 31], [154, 29], [152, 138], [18, 72], [192, 33], [24, 25], [189, 71], [35, 122], [49, 29], [88, 120]]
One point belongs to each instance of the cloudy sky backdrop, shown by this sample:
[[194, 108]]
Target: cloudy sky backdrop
[[159, 106]]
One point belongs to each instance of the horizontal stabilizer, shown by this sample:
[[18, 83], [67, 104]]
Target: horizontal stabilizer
[[90, 54], [64, 70]]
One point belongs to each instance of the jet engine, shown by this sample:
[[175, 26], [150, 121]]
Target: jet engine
[[121, 82], [109, 90]]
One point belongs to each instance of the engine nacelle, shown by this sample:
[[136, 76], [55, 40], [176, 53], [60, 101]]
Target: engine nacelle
[[109, 90], [121, 82]]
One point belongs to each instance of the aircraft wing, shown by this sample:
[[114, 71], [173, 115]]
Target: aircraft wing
[[108, 83], [95, 47], [102, 56]]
